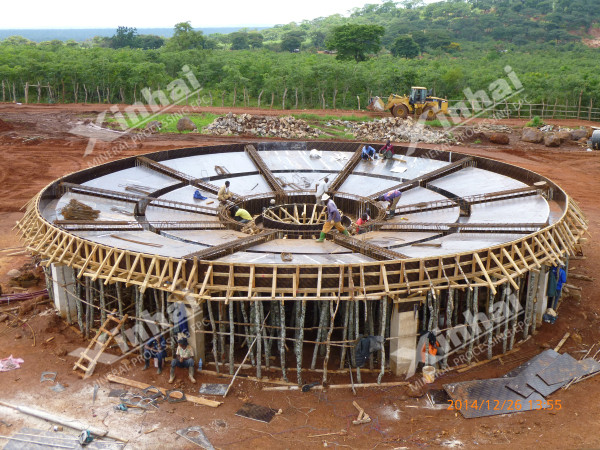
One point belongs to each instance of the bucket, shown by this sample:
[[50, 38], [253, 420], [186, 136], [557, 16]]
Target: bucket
[[428, 374], [346, 221]]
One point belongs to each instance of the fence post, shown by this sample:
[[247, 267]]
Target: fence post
[[554, 110], [566, 108], [590, 111], [357, 98], [579, 106]]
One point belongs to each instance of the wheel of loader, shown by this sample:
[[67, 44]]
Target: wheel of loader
[[400, 111], [428, 113]]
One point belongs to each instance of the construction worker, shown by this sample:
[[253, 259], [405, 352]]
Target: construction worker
[[431, 350], [387, 151], [156, 347], [333, 219], [184, 357], [322, 188], [368, 153], [392, 197], [224, 193], [363, 220], [241, 215]]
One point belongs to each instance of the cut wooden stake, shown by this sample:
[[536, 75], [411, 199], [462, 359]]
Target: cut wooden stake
[[140, 385], [562, 341]]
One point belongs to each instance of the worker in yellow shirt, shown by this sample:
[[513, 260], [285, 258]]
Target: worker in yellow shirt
[[241, 215]]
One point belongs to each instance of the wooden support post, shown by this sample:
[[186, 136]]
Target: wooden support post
[[299, 344], [382, 334], [505, 316], [231, 339], [258, 339], [490, 317], [282, 334], [449, 310], [214, 333], [344, 333], [247, 330], [474, 326], [332, 314], [531, 290], [320, 332], [88, 316], [102, 303], [357, 334], [514, 313]]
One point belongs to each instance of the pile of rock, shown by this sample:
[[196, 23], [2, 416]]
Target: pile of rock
[[283, 127], [399, 130], [554, 138]]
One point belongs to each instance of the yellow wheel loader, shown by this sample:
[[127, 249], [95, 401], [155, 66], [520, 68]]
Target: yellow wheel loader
[[419, 103]]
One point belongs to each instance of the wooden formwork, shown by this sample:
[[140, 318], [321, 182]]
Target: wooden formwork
[[407, 279]]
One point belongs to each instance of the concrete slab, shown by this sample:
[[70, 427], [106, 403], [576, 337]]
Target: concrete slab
[[518, 210], [300, 160], [170, 247], [139, 176], [473, 181], [157, 214], [459, 242], [122, 210], [415, 167], [365, 186], [209, 238], [391, 239], [203, 165]]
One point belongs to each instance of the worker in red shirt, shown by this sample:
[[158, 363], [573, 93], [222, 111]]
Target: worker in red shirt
[[387, 151], [363, 220]]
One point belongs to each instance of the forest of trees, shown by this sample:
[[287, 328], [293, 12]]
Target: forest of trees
[[379, 49]]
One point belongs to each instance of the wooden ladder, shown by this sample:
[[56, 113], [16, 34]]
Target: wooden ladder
[[91, 362]]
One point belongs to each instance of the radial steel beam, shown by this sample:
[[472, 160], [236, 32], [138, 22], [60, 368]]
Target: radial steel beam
[[367, 249], [265, 172], [347, 170], [462, 227], [115, 225]]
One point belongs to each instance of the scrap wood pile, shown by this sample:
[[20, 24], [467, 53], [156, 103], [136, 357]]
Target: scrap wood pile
[[398, 130], [76, 210], [284, 127], [522, 389]]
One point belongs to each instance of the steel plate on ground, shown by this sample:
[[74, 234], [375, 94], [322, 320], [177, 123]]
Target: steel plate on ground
[[527, 371], [564, 368], [44, 440], [213, 389], [256, 412], [542, 387], [481, 398]]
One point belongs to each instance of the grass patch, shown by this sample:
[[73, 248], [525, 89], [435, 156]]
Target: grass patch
[[434, 123], [535, 122], [327, 118], [169, 121]]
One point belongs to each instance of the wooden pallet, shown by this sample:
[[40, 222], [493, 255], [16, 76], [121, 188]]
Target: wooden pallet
[[91, 361]]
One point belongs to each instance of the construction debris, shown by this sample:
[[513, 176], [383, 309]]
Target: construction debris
[[75, 210], [286, 127], [362, 416], [397, 130]]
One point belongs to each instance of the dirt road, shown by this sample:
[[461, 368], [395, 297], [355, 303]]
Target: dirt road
[[39, 148]]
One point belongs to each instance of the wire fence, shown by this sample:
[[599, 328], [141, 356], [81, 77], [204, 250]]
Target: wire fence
[[293, 98]]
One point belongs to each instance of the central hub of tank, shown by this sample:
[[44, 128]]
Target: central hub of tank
[[295, 216]]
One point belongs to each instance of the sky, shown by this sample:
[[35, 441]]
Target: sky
[[161, 14]]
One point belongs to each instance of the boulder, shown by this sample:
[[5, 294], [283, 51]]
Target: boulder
[[185, 124], [532, 135], [154, 126], [579, 134], [552, 140], [14, 273], [563, 135], [499, 138]]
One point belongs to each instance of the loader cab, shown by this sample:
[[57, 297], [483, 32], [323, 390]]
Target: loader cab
[[417, 95]]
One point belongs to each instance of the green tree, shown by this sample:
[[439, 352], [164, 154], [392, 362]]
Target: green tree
[[239, 40], [354, 41], [124, 37], [292, 40], [405, 47], [185, 38], [149, 41], [255, 39]]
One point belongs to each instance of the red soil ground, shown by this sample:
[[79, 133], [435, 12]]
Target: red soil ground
[[40, 149]]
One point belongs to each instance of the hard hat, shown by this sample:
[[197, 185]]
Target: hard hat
[[325, 197]]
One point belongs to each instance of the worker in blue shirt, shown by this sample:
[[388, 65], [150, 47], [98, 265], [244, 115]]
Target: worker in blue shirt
[[333, 219], [156, 347], [368, 153]]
